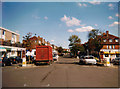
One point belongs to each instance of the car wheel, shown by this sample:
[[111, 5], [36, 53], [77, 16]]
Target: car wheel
[[11, 63], [3, 64]]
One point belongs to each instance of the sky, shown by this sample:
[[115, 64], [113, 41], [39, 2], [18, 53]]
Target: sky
[[57, 21]]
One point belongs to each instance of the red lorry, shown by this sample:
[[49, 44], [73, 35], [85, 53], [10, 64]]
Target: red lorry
[[43, 55]]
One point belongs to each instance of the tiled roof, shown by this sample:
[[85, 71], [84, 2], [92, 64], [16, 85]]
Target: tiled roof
[[107, 37]]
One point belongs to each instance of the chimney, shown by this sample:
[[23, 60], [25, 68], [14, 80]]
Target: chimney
[[107, 32], [103, 34]]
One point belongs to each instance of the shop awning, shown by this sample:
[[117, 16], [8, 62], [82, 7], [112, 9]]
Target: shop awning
[[2, 49], [8, 49], [118, 52], [106, 52]]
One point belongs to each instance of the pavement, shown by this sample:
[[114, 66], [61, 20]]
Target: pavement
[[64, 73]]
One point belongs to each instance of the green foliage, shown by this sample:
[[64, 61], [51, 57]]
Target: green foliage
[[60, 49], [26, 38], [94, 43], [65, 52], [75, 44]]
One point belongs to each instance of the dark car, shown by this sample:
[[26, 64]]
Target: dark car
[[16, 59], [5, 61], [116, 61]]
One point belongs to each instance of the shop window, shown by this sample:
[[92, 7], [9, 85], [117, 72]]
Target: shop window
[[110, 47], [106, 55], [107, 46], [34, 52], [113, 46]]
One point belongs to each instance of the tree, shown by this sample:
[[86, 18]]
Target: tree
[[94, 43], [93, 33], [60, 49], [26, 39], [75, 44]]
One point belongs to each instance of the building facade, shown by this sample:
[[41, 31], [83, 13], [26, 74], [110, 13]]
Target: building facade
[[9, 44], [7, 35], [110, 47], [34, 41]]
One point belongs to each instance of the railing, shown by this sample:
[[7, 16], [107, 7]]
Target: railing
[[8, 43]]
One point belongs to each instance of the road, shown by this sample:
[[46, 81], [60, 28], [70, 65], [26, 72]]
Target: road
[[64, 73]]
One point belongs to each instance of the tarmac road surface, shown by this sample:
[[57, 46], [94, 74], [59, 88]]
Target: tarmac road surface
[[64, 73]]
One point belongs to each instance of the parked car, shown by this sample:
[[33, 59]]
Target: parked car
[[55, 57], [87, 60], [16, 59], [5, 61], [116, 61], [0, 62]]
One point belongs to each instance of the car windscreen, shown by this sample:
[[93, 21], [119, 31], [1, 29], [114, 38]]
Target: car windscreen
[[54, 55], [117, 59], [88, 57]]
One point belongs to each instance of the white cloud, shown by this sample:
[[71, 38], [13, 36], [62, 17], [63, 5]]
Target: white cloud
[[114, 24], [71, 21], [45, 17], [70, 30], [110, 17], [96, 25], [52, 40], [35, 17], [94, 2], [85, 5], [17, 31], [111, 6], [116, 14], [84, 29], [79, 4]]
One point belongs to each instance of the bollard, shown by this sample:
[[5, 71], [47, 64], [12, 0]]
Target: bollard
[[108, 62], [24, 62]]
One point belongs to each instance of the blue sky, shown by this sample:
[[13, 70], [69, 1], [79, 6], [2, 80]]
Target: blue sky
[[56, 21]]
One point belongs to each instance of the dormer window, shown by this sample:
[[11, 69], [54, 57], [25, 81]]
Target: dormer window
[[110, 40], [116, 40], [104, 40], [39, 42]]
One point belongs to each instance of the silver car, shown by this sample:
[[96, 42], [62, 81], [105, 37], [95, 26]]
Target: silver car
[[87, 60]]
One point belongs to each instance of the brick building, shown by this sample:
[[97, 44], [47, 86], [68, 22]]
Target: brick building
[[36, 41], [110, 47]]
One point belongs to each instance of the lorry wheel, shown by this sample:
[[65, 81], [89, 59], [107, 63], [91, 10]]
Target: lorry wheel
[[50, 62]]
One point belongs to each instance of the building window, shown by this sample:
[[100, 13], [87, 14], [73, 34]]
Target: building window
[[0, 33], [106, 55], [110, 47], [104, 40], [3, 32], [107, 46], [39, 42], [35, 41], [110, 40], [113, 46], [116, 40]]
